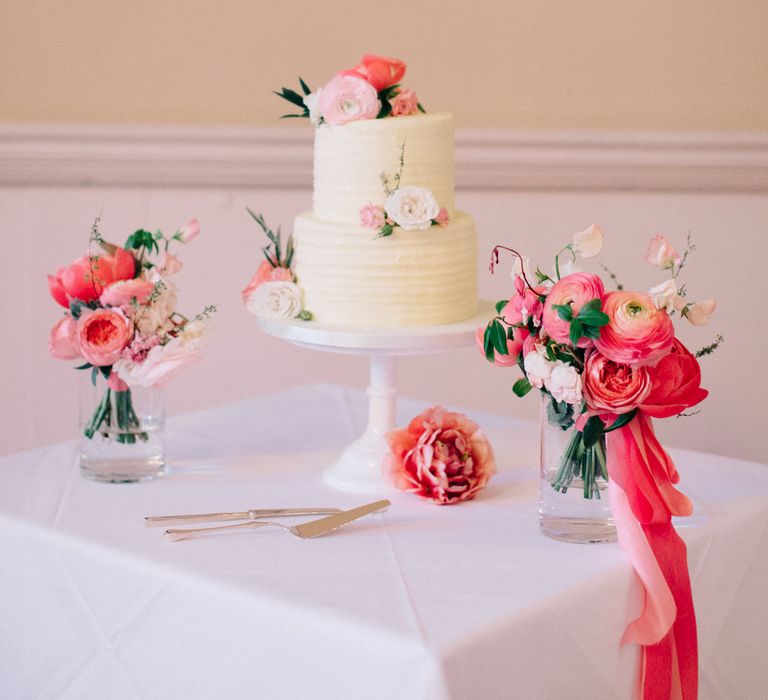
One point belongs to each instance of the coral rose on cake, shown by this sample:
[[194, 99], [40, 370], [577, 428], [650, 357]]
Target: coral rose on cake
[[348, 98], [412, 208], [573, 290], [442, 456], [442, 217], [380, 72], [266, 272], [404, 102], [637, 332], [62, 343], [282, 299], [102, 334], [613, 387]]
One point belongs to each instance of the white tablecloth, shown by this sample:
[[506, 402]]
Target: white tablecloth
[[422, 601]]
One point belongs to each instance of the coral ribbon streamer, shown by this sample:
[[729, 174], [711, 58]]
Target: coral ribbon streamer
[[643, 500]]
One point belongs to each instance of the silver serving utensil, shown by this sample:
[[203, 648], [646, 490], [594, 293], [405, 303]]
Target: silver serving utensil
[[314, 528], [252, 514]]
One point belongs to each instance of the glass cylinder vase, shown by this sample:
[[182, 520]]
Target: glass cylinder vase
[[122, 432], [573, 490]]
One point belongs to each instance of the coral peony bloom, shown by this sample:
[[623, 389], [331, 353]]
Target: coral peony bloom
[[102, 335], [56, 288], [372, 216], [266, 272], [613, 387], [379, 71], [661, 253], [124, 292], [513, 347], [161, 364], [405, 102], [574, 290], [86, 277], [637, 332], [441, 455], [675, 383], [347, 98], [63, 341]]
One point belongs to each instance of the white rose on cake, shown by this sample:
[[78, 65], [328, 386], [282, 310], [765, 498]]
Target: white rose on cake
[[412, 208], [279, 299]]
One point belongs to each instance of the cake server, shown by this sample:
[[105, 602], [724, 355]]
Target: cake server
[[313, 528], [252, 514]]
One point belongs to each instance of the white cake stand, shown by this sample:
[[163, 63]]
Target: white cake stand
[[359, 467]]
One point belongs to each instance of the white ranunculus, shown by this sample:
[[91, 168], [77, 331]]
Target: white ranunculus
[[698, 314], [310, 102], [588, 243], [538, 368], [412, 208], [280, 299], [564, 383], [664, 295]]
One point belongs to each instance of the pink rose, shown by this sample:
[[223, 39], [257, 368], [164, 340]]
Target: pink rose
[[86, 277], [676, 384], [616, 388], [514, 347], [102, 335], [379, 71], [405, 102], [348, 98], [123, 292], [190, 231], [372, 216], [63, 341], [637, 332], [661, 253], [574, 290], [442, 217], [266, 273], [162, 363], [442, 456]]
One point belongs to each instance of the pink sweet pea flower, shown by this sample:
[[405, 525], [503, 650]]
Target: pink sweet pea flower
[[372, 216], [266, 273], [348, 98], [661, 253], [574, 290], [441, 456], [405, 102], [190, 231], [63, 341], [379, 71], [102, 335], [123, 292], [637, 333], [698, 314]]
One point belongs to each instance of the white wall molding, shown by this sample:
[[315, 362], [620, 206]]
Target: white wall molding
[[279, 157]]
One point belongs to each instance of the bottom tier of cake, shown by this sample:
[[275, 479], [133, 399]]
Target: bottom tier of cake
[[412, 278]]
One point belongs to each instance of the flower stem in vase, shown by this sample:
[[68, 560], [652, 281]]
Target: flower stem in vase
[[123, 425], [578, 461]]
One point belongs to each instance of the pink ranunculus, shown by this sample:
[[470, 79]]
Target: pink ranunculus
[[405, 102], [266, 272], [190, 231], [86, 277], [514, 347], [574, 290], [102, 335], [637, 333], [442, 217], [63, 341], [441, 455], [613, 387], [372, 216], [122, 293], [347, 98], [676, 384], [170, 264], [162, 363], [379, 71], [661, 253]]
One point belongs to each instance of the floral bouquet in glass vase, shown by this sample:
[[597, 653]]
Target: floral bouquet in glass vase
[[121, 323], [606, 363]]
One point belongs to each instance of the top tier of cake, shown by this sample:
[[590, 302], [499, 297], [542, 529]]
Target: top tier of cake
[[350, 160]]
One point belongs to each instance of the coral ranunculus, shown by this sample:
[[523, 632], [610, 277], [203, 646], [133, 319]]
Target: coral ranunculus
[[379, 71], [637, 332], [102, 335], [347, 98], [613, 387], [441, 455], [676, 384], [574, 290]]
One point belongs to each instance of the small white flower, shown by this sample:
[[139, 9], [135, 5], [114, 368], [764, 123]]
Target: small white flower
[[564, 383], [588, 243], [665, 295], [280, 299], [538, 368], [698, 314], [412, 208], [310, 102]]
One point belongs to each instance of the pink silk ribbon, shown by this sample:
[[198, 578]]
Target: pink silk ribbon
[[643, 501]]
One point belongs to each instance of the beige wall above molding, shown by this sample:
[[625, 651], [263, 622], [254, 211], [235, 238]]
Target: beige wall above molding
[[543, 64]]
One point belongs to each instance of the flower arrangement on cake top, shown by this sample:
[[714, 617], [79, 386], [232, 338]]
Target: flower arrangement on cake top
[[370, 90], [272, 291], [607, 363], [121, 319]]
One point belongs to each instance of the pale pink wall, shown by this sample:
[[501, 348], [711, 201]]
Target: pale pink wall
[[41, 228]]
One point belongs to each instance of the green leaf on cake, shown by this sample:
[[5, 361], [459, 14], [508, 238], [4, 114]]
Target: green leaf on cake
[[304, 86]]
